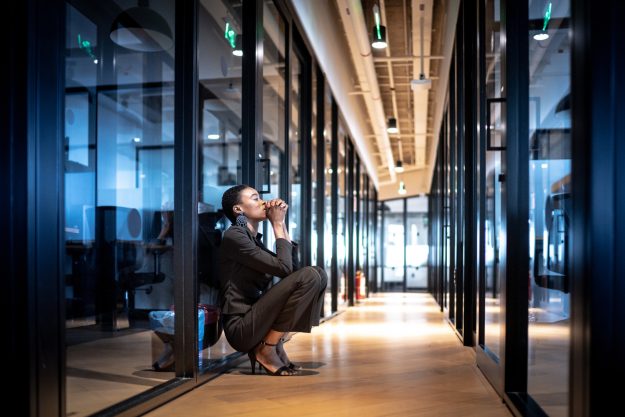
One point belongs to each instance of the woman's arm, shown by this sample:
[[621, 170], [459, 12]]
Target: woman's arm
[[238, 246]]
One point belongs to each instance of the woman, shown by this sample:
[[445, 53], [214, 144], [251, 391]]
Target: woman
[[257, 319]]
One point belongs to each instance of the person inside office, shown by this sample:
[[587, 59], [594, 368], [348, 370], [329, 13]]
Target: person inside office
[[257, 317]]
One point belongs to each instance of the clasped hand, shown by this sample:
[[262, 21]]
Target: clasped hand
[[276, 210]]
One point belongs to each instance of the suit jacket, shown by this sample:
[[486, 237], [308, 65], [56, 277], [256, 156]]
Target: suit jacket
[[247, 267]]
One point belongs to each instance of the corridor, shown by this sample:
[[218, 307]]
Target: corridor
[[391, 355]]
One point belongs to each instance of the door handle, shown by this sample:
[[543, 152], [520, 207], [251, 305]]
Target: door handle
[[489, 102]]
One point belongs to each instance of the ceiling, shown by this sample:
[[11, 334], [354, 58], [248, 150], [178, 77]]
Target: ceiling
[[375, 85]]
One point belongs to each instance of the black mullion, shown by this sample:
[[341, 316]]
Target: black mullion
[[285, 181], [252, 107], [470, 116], [366, 233], [185, 188], [481, 178], [381, 247], [451, 177], [459, 167], [405, 224], [335, 205], [516, 184], [321, 183], [349, 203], [376, 243], [35, 207]]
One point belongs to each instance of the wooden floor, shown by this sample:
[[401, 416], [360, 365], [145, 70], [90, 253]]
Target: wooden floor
[[392, 355]]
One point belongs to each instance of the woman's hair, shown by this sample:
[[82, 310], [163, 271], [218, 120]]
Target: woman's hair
[[231, 197]]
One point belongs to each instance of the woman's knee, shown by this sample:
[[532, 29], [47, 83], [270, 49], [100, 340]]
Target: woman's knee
[[323, 276], [310, 274], [317, 275]]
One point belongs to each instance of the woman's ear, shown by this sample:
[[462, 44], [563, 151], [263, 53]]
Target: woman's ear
[[237, 210]]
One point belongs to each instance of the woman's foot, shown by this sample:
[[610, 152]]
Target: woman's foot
[[284, 357], [267, 356]]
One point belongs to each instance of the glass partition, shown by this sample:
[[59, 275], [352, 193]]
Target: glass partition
[[493, 221], [219, 156], [295, 143], [550, 205], [417, 249], [274, 109], [342, 231], [393, 245], [314, 201], [119, 193], [327, 201]]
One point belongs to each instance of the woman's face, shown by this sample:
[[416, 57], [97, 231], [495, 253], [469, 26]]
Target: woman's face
[[251, 205]]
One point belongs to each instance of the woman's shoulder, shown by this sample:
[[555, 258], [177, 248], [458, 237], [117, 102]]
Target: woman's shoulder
[[235, 232]]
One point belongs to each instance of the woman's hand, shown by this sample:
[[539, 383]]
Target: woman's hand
[[276, 213], [276, 210]]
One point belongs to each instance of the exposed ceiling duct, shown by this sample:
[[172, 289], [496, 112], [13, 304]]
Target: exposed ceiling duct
[[322, 28], [421, 13], [359, 44]]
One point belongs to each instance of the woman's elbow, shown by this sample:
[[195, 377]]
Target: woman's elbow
[[285, 271]]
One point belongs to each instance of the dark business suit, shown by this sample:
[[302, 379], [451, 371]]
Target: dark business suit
[[250, 309]]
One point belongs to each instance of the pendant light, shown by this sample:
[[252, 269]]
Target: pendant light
[[391, 126], [378, 33], [142, 29]]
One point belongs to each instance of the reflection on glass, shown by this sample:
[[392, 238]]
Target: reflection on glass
[[295, 176], [327, 201], [119, 193], [393, 244], [417, 249], [274, 88], [219, 158], [493, 213], [341, 233], [550, 205]]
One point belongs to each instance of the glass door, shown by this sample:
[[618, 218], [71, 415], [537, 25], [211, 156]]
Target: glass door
[[119, 193], [491, 282], [550, 209]]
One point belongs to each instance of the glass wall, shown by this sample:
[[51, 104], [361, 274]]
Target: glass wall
[[342, 228], [328, 190], [550, 205], [493, 191], [219, 156], [274, 108], [295, 144], [393, 246], [314, 174], [417, 249], [119, 193]]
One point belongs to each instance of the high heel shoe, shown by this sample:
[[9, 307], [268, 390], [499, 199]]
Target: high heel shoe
[[281, 371]]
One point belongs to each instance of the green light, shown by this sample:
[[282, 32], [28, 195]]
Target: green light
[[547, 17], [230, 35], [376, 15], [86, 45]]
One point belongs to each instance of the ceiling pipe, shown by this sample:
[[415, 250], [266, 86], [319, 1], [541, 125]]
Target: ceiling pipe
[[420, 97], [451, 13], [358, 39], [390, 67]]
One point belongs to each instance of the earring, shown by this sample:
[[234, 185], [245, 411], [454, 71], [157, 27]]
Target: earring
[[241, 220]]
